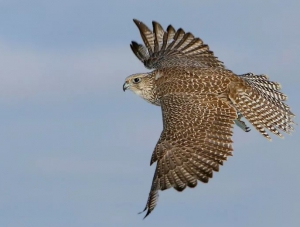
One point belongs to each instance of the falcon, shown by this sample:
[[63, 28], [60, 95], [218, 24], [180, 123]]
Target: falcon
[[201, 101]]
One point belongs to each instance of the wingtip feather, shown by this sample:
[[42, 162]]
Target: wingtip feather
[[137, 22]]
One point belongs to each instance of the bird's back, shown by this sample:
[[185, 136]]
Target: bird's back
[[191, 80]]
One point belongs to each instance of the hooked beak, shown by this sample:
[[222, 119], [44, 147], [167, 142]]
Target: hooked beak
[[125, 86]]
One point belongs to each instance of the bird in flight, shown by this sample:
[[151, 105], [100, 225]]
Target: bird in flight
[[200, 101]]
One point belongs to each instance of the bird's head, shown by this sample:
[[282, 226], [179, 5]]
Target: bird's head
[[141, 84], [138, 83]]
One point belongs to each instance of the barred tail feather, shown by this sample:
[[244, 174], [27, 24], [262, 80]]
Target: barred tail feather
[[268, 89], [262, 107]]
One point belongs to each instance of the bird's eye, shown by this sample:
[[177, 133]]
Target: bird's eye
[[136, 80]]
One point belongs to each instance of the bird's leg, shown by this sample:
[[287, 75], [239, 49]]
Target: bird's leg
[[241, 123]]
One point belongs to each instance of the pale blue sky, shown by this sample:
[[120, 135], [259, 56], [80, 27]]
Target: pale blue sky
[[75, 149]]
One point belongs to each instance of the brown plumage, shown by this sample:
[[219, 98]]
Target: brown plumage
[[200, 100]]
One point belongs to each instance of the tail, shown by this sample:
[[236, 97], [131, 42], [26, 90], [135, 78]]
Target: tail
[[262, 104]]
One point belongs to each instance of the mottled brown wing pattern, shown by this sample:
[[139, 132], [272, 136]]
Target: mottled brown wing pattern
[[164, 49], [192, 80], [196, 139]]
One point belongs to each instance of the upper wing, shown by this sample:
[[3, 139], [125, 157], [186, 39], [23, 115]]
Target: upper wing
[[172, 48], [196, 139]]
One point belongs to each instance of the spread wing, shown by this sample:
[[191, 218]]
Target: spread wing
[[196, 139], [169, 48]]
